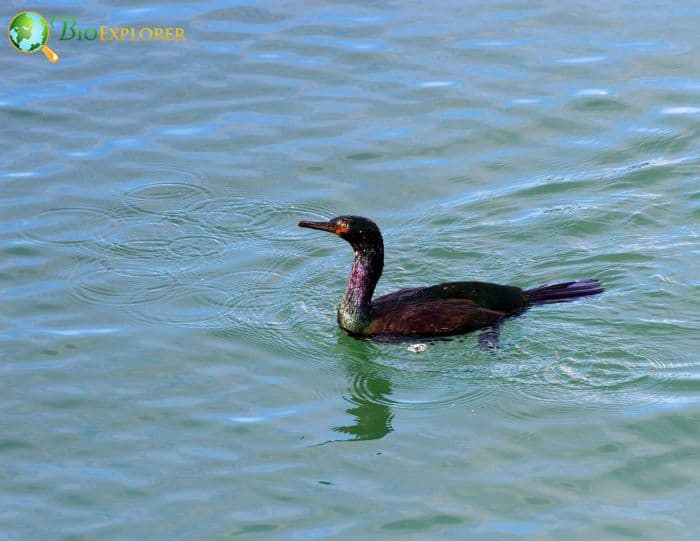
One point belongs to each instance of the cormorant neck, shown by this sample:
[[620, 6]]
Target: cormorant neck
[[355, 311]]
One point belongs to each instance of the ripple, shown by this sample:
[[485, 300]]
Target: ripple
[[175, 245], [196, 246], [425, 391], [163, 196], [261, 311], [310, 295], [602, 378], [187, 305], [271, 306], [245, 216], [450, 373], [456, 372], [604, 375], [173, 192], [98, 284], [257, 294], [65, 226], [232, 214], [139, 238], [279, 222]]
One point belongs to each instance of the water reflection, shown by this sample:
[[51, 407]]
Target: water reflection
[[372, 416], [369, 394]]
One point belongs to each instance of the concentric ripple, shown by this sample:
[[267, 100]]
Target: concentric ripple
[[261, 311], [279, 222], [254, 217], [256, 299], [175, 246], [310, 302], [604, 377], [424, 391], [195, 246], [186, 305], [165, 189], [231, 215], [125, 286], [66, 226]]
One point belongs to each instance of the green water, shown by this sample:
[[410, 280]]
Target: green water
[[170, 365]]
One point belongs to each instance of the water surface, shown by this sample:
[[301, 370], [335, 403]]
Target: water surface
[[170, 362]]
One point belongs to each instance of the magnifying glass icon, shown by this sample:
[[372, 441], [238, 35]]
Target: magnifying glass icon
[[28, 33]]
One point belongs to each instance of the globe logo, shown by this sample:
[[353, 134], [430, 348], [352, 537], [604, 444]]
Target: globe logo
[[28, 33]]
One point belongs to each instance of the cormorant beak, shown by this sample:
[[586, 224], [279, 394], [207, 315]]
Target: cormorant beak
[[321, 226], [324, 226]]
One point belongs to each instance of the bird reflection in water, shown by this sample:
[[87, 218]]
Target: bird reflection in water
[[372, 415], [369, 391]]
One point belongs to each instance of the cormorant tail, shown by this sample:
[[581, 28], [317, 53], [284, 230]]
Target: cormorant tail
[[564, 292]]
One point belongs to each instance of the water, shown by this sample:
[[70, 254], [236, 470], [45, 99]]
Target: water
[[170, 363]]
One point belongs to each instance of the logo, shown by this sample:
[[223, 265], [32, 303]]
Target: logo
[[28, 33], [70, 30]]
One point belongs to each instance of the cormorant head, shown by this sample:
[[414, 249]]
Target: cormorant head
[[362, 233]]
